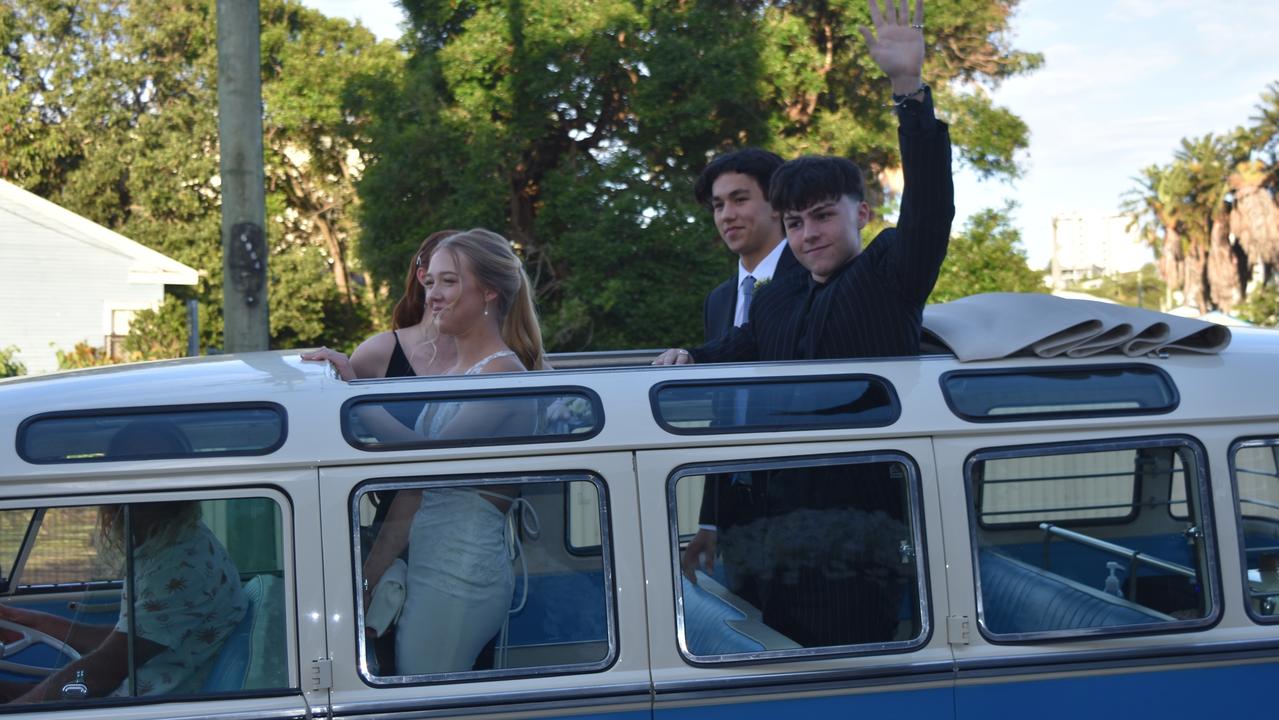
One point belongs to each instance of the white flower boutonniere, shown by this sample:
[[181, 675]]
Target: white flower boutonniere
[[759, 284]]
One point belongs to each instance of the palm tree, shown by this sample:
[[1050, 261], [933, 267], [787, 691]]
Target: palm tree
[[1150, 212]]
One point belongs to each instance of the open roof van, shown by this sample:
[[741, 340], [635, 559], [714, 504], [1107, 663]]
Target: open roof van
[[945, 539]]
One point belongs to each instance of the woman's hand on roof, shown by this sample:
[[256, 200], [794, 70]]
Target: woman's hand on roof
[[340, 362]]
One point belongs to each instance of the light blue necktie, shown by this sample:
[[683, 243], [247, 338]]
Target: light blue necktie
[[748, 291], [739, 409]]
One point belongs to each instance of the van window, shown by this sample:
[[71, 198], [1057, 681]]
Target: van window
[[152, 433], [173, 598], [462, 582], [1095, 486], [1041, 394], [1077, 539], [725, 406], [810, 556], [398, 422], [1254, 465]]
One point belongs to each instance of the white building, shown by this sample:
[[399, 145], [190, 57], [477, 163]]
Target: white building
[[66, 280], [1091, 245]]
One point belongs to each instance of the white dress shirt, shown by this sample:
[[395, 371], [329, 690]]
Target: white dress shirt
[[762, 272]]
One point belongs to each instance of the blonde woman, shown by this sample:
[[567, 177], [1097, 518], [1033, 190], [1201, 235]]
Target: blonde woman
[[460, 582]]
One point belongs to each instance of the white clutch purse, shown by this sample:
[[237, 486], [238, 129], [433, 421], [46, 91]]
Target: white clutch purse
[[388, 599]]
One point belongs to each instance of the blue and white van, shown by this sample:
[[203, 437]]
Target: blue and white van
[[1054, 538]]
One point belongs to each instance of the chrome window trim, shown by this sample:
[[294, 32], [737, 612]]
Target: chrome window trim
[[1194, 653], [894, 406], [1211, 583], [510, 393], [763, 684], [557, 701], [922, 585], [420, 481], [1235, 447]]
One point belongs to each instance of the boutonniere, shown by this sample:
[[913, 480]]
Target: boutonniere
[[759, 284]]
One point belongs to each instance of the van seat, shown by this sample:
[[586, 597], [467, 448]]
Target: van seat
[[254, 655], [706, 618], [1017, 597]]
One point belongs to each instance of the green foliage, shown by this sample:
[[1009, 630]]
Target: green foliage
[[1261, 307], [986, 257], [111, 111], [576, 129], [1143, 288], [9, 365]]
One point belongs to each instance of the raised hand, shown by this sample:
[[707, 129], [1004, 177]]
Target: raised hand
[[897, 43]]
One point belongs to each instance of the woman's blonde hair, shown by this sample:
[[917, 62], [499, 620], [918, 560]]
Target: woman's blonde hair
[[498, 268]]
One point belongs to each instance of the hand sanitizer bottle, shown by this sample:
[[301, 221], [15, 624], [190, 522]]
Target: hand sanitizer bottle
[[1112, 580]]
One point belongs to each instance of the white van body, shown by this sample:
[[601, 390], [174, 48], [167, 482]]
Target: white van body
[[616, 501]]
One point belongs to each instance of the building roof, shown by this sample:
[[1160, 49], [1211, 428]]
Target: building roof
[[148, 265]]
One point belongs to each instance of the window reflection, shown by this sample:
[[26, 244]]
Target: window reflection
[[470, 577], [807, 556]]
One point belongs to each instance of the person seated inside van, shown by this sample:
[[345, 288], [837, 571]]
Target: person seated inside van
[[182, 599]]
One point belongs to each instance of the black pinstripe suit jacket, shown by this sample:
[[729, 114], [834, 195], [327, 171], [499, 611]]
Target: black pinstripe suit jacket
[[873, 306], [720, 307]]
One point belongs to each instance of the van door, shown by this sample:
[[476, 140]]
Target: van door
[[827, 592], [169, 593], [509, 585], [1091, 568]]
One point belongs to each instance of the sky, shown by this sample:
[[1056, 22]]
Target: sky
[[1122, 82]]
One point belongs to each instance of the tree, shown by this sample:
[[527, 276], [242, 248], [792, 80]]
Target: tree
[[1151, 211], [576, 129], [1211, 213], [111, 112], [986, 257]]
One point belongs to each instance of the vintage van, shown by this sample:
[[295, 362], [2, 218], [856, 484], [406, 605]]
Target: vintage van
[[1056, 538]]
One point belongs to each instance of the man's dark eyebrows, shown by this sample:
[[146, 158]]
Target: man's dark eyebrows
[[734, 193], [819, 205]]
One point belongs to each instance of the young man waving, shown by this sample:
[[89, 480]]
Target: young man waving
[[852, 303]]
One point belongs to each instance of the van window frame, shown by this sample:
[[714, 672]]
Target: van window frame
[[418, 482], [143, 410], [288, 558], [922, 585], [549, 391], [943, 381], [743, 383], [1210, 575], [1271, 441]]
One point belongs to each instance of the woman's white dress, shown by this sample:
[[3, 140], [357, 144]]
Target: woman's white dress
[[460, 582]]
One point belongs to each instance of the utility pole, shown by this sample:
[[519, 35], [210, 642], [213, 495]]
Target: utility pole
[[244, 276]]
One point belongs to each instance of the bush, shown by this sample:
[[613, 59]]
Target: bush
[[9, 367], [1261, 307], [85, 355]]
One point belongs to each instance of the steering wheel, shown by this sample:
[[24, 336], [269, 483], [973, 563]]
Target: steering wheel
[[29, 637]]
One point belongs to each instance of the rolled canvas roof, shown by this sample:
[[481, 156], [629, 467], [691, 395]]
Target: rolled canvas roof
[[998, 325]]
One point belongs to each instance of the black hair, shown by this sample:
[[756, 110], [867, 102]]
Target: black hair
[[806, 181], [757, 163]]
